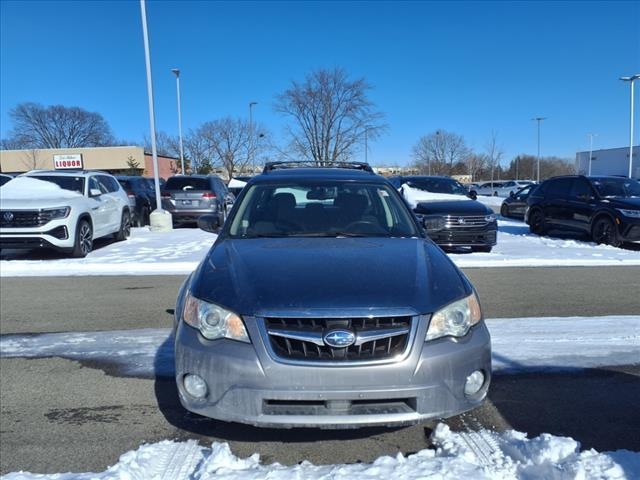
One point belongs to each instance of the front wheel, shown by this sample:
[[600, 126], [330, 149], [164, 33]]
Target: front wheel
[[605, 232], [125, 227], [84, 240], [504, 210]]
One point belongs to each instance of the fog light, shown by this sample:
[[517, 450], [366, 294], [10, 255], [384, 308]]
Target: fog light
[[474, 383], [195, 385]]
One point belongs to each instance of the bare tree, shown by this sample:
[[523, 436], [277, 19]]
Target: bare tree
[[57, 126], [233, 143], [330, 114], [437, 153], [494, 154]]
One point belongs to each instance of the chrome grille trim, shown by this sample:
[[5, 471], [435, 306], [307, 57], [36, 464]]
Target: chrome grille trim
[[468, 221]]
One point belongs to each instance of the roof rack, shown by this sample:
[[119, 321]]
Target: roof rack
[[271, 166]]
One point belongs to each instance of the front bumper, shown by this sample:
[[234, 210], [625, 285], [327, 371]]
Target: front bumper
[[52, 237], [247, 385], [465, 237], [629, 229]]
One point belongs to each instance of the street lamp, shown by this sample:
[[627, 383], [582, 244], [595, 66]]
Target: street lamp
[[253, 166], [631, 79], [538, 119], [591, 135], [176, 72], [160, 220]]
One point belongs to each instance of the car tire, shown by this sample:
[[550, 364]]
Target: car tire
[[84, 240], [537, 223], [481, 249], [125, 227], [504, 210], [604, 231]]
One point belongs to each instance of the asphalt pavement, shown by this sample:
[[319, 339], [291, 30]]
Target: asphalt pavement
[[59, 415]]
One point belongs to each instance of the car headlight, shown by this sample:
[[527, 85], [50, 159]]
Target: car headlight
[[432, 223], [629, 213], [455, 319], [490, 218], [213, 321], [55, 213]]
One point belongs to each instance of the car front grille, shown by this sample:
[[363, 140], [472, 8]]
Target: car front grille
[[303, 339], [465, 221], [23, 218]]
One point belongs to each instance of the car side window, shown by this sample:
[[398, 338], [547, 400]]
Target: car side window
[[108, 184], [558, 188], [94, 184], [579, 189]]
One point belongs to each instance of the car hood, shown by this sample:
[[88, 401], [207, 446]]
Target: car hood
[[38, 203], [329, 277], [624, 202], [462, 207]]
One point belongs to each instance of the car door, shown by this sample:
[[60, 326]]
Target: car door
[[519, 203], [99, 204], [580, 205], [555, 202], [113, 204]]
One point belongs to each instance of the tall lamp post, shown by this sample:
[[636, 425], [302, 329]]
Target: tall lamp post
[[253, 165], [538, 119], [591, 135], [176, 72], [631, 79], [160, 220]]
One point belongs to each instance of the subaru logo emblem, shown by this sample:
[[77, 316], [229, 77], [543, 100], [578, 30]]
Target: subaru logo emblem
[[7, 217], [339, 338], [461, 220]]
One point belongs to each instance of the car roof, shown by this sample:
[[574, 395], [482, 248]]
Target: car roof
[[66, 173], [317, 173]]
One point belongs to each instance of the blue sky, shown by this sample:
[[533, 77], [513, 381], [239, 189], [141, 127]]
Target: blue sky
[[467, 67]]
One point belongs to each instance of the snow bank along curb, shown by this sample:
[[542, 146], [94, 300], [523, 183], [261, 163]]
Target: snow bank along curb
[[512, 455], [179, 252]]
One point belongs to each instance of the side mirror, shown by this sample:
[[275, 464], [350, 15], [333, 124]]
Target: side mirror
[[473, 195], [95, 192], [209, 223], [512, 195]]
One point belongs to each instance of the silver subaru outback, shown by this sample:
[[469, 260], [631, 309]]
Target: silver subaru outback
[[323, 303]]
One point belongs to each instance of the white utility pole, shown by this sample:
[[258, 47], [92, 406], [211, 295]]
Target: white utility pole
[[160, 219], [591, 135], [176, 72], [631, 79], [538, 119]]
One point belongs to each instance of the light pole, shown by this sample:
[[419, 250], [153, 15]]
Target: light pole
[[366, 143], [253, 166], [176, 72], [631, 79], [591, 135], [160, 220], [538, 119]]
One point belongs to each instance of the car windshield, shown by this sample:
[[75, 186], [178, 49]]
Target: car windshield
[[437, 185], [66, 182], [616, 187], [187, 183], [322, 209]]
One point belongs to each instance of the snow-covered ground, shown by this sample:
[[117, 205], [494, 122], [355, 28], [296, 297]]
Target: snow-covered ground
[[178, 252], [464, 455], [519, 345]]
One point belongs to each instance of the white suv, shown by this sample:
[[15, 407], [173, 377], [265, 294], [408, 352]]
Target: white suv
[[62, 210]]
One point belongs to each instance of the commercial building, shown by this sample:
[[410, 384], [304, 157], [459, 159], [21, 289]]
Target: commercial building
[[610, 161], [115, 160]]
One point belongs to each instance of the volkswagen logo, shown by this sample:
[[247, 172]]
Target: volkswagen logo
[[339, 338], [7, 216], [461, 220]]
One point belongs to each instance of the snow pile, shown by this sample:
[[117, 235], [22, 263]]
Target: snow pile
[[30, 188], [235, 183], [414, 196], [492, 202], [489, 455], [518, 344]]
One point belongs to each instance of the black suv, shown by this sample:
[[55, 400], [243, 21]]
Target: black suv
[[605, 208], [142, 199]]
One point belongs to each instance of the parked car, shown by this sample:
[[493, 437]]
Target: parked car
[[322, 304], [142, 200], [516, 204], [236, 184], [605, 208], [188, 197], [61, 210], [451, 216], [4, 178], [503, 188]]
